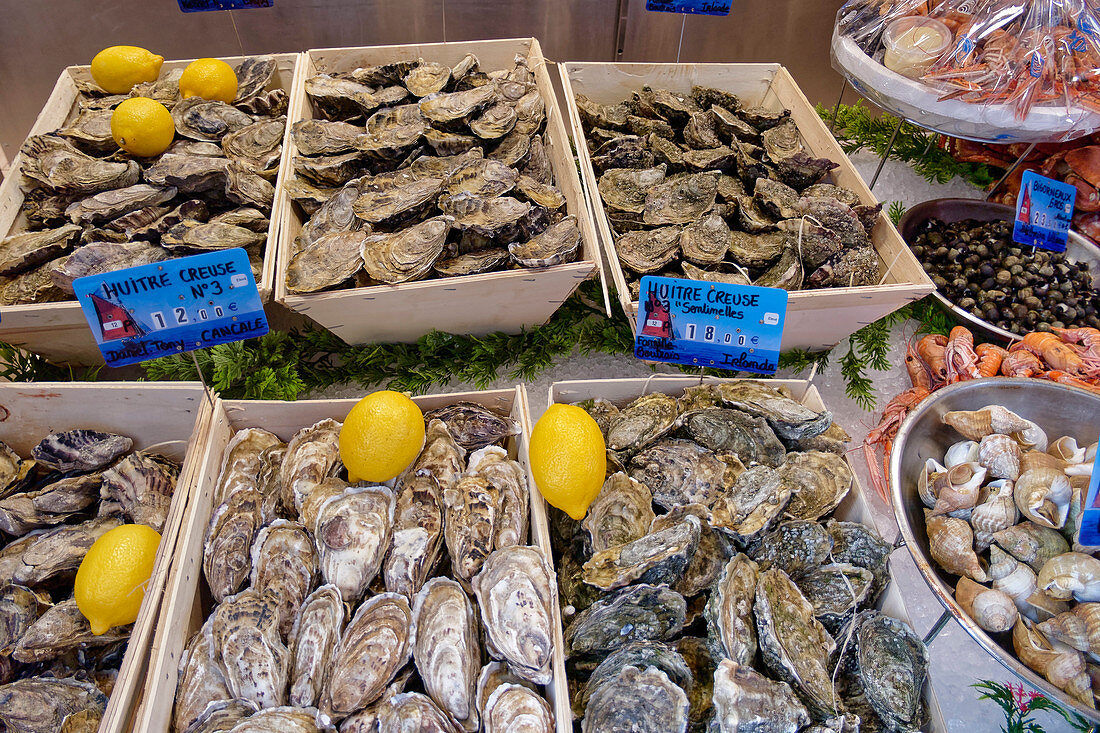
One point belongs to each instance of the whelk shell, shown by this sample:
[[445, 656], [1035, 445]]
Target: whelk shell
[[1031, 543], [1064, 667], [960, 488], [991, 609], [964, 451], [951, 544], [1071, 575], [1066, 449], [1001, 455], [996, 510], [1043, 495]]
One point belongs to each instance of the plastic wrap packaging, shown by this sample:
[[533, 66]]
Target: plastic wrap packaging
[[987, 70]]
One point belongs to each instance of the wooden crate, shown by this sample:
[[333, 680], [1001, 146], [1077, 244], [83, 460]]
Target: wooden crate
[[187, 599], [171, 418], [475, 304], [816, 319], [58, 331], [854, 507]]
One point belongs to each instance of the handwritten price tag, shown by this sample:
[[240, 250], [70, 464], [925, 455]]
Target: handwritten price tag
[[1044, 212], [707, 324], [693, 7], [174, 306]]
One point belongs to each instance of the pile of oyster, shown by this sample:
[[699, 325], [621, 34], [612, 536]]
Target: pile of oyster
[[727, 192], [1004, 515], [709, 586], [91, 208], [416, 170], [55, 674], [416, 606]]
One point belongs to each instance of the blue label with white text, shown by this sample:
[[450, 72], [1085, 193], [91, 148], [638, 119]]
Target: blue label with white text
[[169, 307], [1044, 212], [1090, 516], [200, 6], [708, 324], [694, 7]]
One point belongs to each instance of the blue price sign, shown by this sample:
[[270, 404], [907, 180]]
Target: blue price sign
[[694, 7], [201, 6], [707, 324], [1044, 210], [1090, 517], [169, 307]]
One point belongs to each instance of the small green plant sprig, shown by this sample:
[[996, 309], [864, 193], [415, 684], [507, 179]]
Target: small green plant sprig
[[1018, 703]]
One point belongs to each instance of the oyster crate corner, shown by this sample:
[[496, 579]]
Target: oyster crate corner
[[186, 598], [469, 304], [854, 508], [816, 319], [58, 331], [173, 419]]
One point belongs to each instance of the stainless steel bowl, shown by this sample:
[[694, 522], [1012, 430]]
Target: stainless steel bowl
[[1078, 248], [1058, 409]]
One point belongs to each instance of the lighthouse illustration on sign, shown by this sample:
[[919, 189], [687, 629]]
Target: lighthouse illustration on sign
[[114, 321], [1024, 213], [658, 321]]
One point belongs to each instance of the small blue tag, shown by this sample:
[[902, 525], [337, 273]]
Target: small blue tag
[[169, 307], [201, 6], [1044, 212], [700, 323], [694, 7], [1090, 515]]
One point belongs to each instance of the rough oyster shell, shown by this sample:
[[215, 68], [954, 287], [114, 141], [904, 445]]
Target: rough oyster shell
[[55, 163], [821, 481], [328, 262], [757, 250], [557, 244], [413, 711], [143, 484], [515, 707], [706, 240], [246, 644], [321, 137], [247, 188], [744, 700], [485, 216], [48, 704], [482, 177], [23, 251], [52, 504], [681, 472], [625, 189], [258, 145], [189, 237], [756, 498], [188, 173], [859, 545], [636, 612], [473, 426], [227, 550], [789, 419], [284, 720], [80, 450], [680, 199], [510, 483], [374, 646], [312, 455], [284, 562], [729, 611], [642, 421], [835, 590], [91, 131], [446, 649], [452, 106], [470, 518], [472, 263], [517, 593], [891, 663], [59, 552], [352, 532], [793, 644], [732, 431], [108, 205], [316, 631], [495, 122], [610, 709], [659, 557], [61, 629], [209, 120], [710, 556], [101, 257], [427, 78], [621, 513], [417, 534], [201, 682], [330, 170], [405, 255], [20, 608], [541, 194]]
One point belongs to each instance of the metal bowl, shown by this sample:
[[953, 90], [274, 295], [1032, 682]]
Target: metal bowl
[[1058, 409], [1078, 248]]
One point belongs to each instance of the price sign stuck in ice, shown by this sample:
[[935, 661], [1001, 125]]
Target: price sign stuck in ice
[[174, 306], [706, 324], [201, 6], [1044, 211], [693, 7], [1090, 517]]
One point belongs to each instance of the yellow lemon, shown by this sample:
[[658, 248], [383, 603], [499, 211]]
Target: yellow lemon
[[142, 127], [381, 436], [118, 68], [209, 79], [568, 458], [110, 584]]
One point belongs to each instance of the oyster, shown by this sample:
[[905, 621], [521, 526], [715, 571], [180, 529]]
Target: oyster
[[335, 214], [640, 654], [91, 131], [313, 639], [495, 122], [706, 240], [427, 78], [815, 244], [246, 216], [493, 675], [20, 608], [337, 98], [352, 532], [326, 263], [517, 593], [60, 629], [448, 107], [283, 560], [108, 205], [745, 700], [515, 707], [193, 237], [541, 194], [665, 708], [38, 704], [795, 546], [473, 426], [417, 534], [821, 481], [258, 145], [858, 545], [680, 472], [201, 682], [80, 450], [312, 455], [636, 612], [375, 645], [329, 170], [413, 711], [835, 591], [188, 173], [509, 482], [557, 244], [203, 119], [245, 642], [381, 204], [659, 557], [694, 273], [646, 251], [446, 649], [757, 250], [406, 255], [481, 215], [680, 199], [56, 164], [229, 536], [221, 716], [891, 663], [641, 422], [729, 611], [793, 644], [621, 513], [777, 199], [789, 419], [733, 431], [253, 75], [34, 286], [451, 143], [143, 484], [852, 268], [626, 189], [241, 461], [538, 165], [472, 263], [470, 518], [320, 137], [23, 251], [710, 556], [59, 552], [244, 187], [802, 170]]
